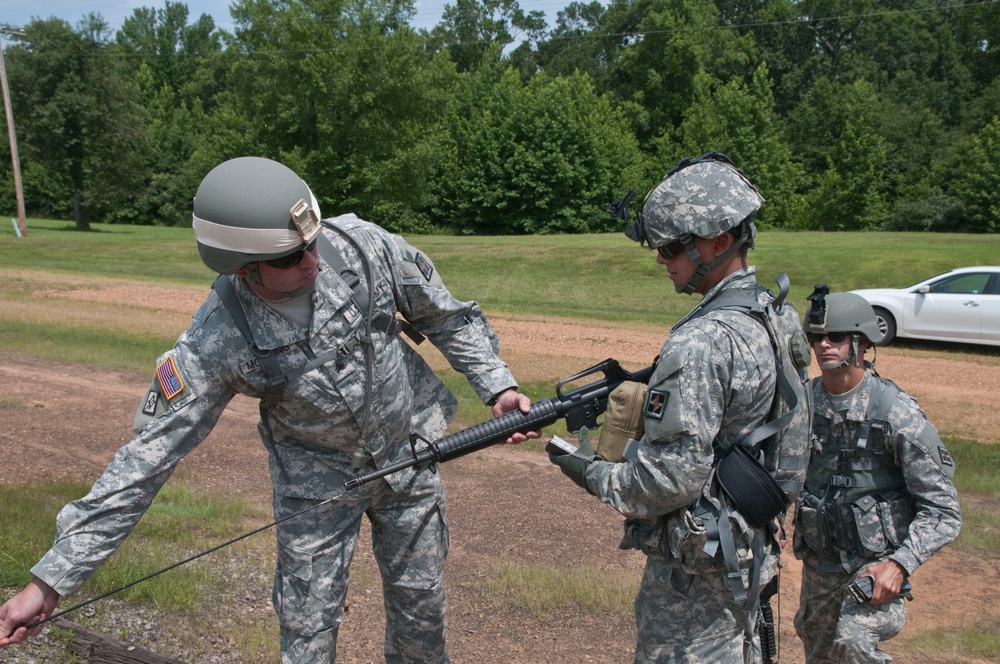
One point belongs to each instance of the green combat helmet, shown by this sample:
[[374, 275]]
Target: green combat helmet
[[843, 312], [252, 209], [703, 197]]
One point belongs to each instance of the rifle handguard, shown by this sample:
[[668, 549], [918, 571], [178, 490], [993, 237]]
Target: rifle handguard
[[580, 407]]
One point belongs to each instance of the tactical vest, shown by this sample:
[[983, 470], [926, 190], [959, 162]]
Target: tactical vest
[[855, 496], [759, 472]]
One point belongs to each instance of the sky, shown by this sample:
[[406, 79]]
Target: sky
[[16, 13]]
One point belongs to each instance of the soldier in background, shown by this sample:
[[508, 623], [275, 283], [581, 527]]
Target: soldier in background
[[713, 386], [304, 318], [878, 499]]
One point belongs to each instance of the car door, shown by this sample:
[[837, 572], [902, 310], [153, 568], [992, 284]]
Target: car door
[[990, 320], [951, 307]]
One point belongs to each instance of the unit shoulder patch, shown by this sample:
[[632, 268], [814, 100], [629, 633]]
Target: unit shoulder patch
[[656, 403], [149, 404]]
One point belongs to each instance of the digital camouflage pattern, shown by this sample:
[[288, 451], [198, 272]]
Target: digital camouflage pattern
[[705, 199], [908, 529], [840, 630], [315, 430], [713, 385]]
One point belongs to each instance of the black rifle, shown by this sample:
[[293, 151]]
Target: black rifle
[[765, 624], [580, 407]]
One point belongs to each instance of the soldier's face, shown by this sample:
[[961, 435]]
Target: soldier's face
[[680, 267], [830, 354], [290, 279]]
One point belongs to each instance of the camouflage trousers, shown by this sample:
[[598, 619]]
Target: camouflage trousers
[[410, 542], [690, 618], [834, 629]]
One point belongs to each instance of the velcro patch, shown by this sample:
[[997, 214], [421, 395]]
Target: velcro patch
[[170, 379], [945, 456], [149, 405], [424, 266], [656, 402]]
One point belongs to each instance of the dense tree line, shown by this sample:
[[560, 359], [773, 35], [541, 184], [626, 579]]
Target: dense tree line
[[849, 114]]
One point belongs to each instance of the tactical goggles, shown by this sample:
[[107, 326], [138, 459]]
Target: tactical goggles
[[834, 337], [671, 249], [291, 260]]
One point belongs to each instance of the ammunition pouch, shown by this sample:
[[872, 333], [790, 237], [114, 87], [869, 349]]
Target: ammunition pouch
[[622, 420], [871, 526]]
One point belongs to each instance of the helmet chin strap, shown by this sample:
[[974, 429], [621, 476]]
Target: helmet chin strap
[[701, 268], [852, 357]]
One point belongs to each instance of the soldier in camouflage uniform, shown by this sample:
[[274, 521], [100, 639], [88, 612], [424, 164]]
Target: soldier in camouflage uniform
[[714, 383], [348, 405], [878, 499]]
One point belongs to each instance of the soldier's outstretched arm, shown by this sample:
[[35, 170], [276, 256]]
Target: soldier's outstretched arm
[[34, 603]]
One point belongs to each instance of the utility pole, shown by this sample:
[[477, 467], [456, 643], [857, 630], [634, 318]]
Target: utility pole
[[15, 161]]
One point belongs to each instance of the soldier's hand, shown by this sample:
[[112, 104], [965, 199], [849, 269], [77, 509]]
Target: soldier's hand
[[514, 400], [574, 466], [888, 576], [35, 602]]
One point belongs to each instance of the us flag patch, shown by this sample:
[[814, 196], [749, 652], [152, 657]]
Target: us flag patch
[[170, 380], [424, 266], [656, 401]]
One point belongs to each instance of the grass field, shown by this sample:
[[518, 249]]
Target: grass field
[[604, 277]]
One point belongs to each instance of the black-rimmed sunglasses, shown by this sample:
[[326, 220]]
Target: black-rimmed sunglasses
[[671, 249], [291, 260], [834, 337]]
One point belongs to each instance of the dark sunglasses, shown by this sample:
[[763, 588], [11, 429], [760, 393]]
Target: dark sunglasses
[[834, 337], [291, 260], [671, 249]]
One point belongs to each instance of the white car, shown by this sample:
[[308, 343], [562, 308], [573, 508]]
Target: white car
[[960, 306]]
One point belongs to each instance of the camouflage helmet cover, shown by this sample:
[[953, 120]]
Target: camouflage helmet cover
[[252, 209], [705, 197], [851, 313]]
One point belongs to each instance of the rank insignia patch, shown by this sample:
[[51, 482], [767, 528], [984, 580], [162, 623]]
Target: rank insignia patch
[[170, 380], [424, 265], [149, 405], [945, 457], [656, 401]]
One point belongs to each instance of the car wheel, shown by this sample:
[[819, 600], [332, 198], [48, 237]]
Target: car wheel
[[886, 325]]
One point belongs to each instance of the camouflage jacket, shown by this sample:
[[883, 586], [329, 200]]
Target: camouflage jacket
[[911, 520], [317, 424], [713, 385]]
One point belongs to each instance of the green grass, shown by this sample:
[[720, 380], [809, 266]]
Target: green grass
[[979, 641], [545, 591], [90, 346], [142, 252], [177, 525], [976, 470], [603, 277]]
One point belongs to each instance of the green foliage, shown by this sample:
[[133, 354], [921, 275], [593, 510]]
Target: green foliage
[[545, 158], [848, 114]]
